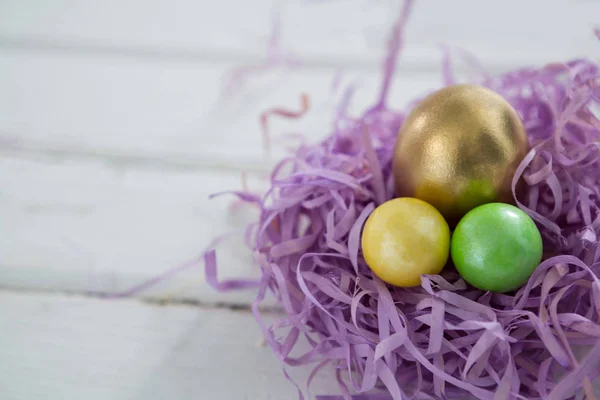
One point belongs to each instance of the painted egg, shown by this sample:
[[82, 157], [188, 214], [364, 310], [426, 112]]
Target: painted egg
[[459, 149], [496, 247], [405, 238]]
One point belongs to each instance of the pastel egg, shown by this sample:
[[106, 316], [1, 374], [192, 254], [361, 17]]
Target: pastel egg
[[405, 238], [496, 247]]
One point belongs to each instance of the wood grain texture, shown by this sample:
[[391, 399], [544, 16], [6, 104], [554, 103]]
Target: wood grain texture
[[68, 348]]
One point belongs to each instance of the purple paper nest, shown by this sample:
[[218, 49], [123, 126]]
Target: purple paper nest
[[444, 339]]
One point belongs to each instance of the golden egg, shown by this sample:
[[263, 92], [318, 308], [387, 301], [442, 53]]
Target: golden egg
[[458, 149]]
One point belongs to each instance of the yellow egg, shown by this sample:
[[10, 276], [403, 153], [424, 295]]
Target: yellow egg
[[404, 238], [459, 149]]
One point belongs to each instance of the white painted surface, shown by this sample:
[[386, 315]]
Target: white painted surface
[[169, 110], [94, 225], [114, 131], [57, 347], [341, 31]]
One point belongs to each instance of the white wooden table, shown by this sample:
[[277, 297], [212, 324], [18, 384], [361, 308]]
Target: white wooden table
[[114, 131]]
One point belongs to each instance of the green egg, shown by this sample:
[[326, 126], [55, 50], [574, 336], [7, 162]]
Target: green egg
[[496, 247]]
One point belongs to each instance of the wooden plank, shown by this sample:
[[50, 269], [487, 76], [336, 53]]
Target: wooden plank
[[186, 24], [341, 32], [94, 106], [95, 226], [57, 347]]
